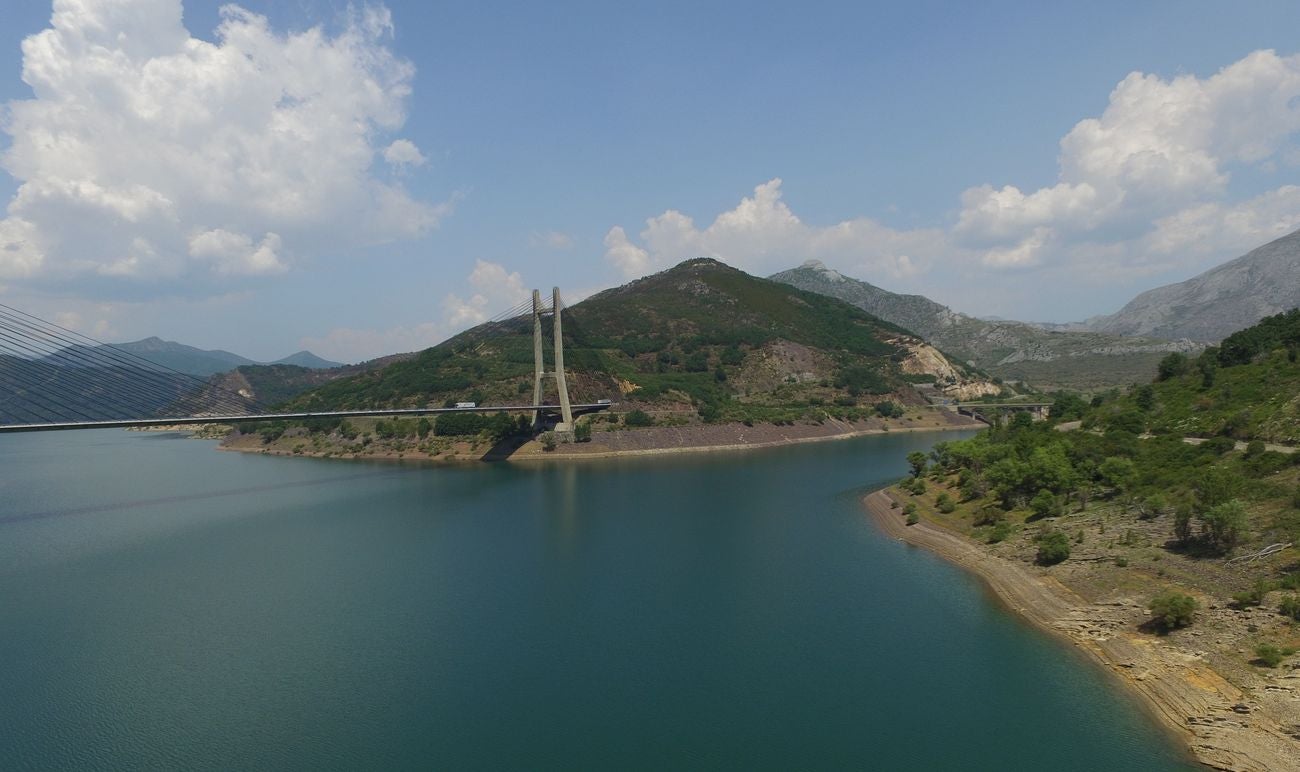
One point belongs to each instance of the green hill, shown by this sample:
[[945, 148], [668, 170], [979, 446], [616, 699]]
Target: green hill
[[702, 339], [1246, 389]]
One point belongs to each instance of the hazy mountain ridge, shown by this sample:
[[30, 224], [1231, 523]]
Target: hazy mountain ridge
[[1218, 302], [1005, 348], [170, 355]]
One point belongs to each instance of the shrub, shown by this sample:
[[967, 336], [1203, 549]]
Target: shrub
[[1291, 607], [548, 441], [888, 410], [1219, 445], [988, 515], [945, 503], [638, 418], [910, 509], [999, 532], [1269, 655], [912, 518], [1171, 610], [1053, 547], [1254, 448], [582, 432], [1252, 597]]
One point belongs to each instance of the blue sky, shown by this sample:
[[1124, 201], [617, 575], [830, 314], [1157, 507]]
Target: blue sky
[[428, 162]]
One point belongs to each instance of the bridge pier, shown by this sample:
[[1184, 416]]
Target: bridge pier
[[564, 429]]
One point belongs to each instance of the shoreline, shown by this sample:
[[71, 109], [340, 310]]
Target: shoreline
[[1188, 699], [532, 451]]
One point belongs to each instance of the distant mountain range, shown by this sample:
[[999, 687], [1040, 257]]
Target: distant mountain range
[[182, 358], [1047, 359], [1217, 303]]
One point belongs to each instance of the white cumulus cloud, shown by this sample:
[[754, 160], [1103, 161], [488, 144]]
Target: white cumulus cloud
[[1157, 160], [148, 153], [761, 234]]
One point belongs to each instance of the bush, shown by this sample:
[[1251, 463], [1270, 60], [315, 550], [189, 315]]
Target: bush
[[1252, 597], [888, 410], [1053, 547], [1171, 610], [945, 503], [638, 418], [548, 441], [988, 515], [582, 432], [1269, 655], [1254, 448], [913, 519], [910, 509], [999, 532], [1224, 525], [1291, 607]]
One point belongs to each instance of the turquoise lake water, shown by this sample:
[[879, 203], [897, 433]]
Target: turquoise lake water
[[164, 605]]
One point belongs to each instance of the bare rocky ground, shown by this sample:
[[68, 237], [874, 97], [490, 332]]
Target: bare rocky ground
[[1199, 681]]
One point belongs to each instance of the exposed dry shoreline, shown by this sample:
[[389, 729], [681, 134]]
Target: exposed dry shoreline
[[659, 440], [1224, 727]]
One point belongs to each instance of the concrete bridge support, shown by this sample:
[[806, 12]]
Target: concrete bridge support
[[564, 429]]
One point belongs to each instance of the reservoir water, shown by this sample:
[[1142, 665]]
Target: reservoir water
[[167, 606]]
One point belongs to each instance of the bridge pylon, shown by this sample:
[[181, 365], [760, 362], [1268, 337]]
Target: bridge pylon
[[564, 429]]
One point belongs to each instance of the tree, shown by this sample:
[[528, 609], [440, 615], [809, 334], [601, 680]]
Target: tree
[[1053, 547], [1172, 610], [1151, 507], [1172, 366], [1224, 525], [1145, 398], [918, 461], [1044, 504], [1118, 472], [1183, 524]]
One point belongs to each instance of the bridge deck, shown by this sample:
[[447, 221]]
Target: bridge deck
[[230, 419]]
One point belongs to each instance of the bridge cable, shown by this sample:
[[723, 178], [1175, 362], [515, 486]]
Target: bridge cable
[[158, 378]]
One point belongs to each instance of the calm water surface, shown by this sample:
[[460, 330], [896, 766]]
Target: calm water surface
[[164, 605]]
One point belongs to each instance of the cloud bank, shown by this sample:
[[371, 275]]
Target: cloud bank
[[149, 155], [1143, 188]]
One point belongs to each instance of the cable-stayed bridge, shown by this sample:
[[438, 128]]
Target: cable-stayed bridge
[[53, 378]]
